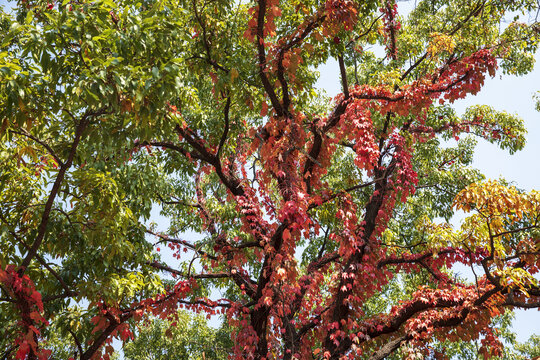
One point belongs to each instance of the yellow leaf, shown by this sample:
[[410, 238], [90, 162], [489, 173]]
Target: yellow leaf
[[234, 74]]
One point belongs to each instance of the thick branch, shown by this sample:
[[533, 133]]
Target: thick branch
[[100, 340], [390, 347]]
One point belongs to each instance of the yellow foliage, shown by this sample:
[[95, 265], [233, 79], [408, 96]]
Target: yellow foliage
[[438, 235], [494, 200], [440, 42], [500, 217], [501, 214], [517, 278], [497, 207]]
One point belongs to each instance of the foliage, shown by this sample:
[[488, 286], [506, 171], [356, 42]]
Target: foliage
[[184, 338], [528, 350], [318, 228]]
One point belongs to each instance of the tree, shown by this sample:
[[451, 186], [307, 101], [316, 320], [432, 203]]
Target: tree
[[188, 338], [322, 224]]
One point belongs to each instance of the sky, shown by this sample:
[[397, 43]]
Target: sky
[[509, 93]]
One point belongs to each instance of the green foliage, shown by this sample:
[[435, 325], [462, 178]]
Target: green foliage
[[527, 350], [185, 337]]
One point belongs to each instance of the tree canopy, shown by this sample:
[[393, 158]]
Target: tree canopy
[[317, 228]]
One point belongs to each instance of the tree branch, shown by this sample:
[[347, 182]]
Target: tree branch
[[226, 128], [261, 15], [42, 228], [343, 73], [25, 133], [389, 347]]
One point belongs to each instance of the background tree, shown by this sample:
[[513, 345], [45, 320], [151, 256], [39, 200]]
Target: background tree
[[318, 227], [189, 337]]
